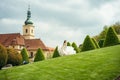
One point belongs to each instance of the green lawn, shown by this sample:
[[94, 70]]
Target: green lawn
[[100, 64]]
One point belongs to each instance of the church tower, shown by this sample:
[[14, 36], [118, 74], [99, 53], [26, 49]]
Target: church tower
[[28, 28]]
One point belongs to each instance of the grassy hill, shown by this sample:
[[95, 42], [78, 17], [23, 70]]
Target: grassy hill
[[100, 64]]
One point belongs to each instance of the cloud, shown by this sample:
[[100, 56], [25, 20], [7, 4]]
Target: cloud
[[59, 20]]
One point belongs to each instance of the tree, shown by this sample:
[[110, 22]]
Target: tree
[[25, 58], [101, 41], [96, 43], [39, 55], [88, 44], [68, 44], [56, 53], [111, 38], [14, 57], [3, 56], [102, 34], [75, 47], [116, 27]]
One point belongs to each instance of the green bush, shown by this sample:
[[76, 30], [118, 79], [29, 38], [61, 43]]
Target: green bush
[[56, 53], [101, 41], [14, 57], [25, 58], [3, 56], [39, 55], [68, 44], [96, 43], [111, 38], [88, 44], [75, 47]]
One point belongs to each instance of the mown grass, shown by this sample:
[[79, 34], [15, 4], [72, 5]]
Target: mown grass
[[100, 64]]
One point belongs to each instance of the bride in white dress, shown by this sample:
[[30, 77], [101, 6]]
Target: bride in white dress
[[66, 50]]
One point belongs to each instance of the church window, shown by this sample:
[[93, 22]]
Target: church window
[[32, 31], [26, 31], [31, 55]]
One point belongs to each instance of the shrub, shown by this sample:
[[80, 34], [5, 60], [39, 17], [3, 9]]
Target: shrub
[[96, 43], [75, 47], [68, 44], [14, 57], [101, 41], [39, 55], [111, 38], [24, 54], [88, 44], [56, 53], [3, 56]]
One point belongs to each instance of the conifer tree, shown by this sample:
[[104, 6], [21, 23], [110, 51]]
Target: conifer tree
[[39, 55], [56, 53], [3, 56], [88, 44], [101, 41], [25, 58], [68, 44], [75, 47], [111, 38], [95, 42]]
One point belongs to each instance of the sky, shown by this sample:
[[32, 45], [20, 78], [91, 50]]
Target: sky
[[59, 20]]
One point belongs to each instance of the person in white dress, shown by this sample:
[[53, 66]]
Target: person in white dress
[[66, 50]]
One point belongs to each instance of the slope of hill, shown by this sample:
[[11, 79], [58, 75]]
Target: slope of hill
[[100, 64]]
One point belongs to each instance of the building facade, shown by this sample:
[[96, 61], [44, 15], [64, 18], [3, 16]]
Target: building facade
[[27, 40]]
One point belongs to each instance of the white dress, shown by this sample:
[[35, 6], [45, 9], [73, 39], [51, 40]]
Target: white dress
[[66, 50]]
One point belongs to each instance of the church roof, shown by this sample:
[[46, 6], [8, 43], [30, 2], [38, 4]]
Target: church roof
[[11, 39], [18, 39], [33, 44]]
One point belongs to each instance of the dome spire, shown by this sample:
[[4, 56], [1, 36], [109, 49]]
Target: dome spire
[[28, 20]]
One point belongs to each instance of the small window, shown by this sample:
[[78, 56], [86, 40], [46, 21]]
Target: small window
[[26, 31], [32, 31], [31, 55]]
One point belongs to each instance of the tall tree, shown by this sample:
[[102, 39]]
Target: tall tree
[[88, 44], [96, 43], [111, 38], [25, 58], [14, 57], [39, 55], [75, 47], [56, 53], [3, 56]]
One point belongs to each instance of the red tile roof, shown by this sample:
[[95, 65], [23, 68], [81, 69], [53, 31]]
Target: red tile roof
[[11, 39], [34, 44], [18, 39]]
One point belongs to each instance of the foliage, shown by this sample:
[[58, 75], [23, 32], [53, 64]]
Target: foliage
[[68, 44], [116, 27], [96, 43], [24, 54], [14, 57], [101, 41], [100, 64], [56, 53], [102, 34], [75, 47], [111, 38], [39, 55], [88, 44], [3, 56]]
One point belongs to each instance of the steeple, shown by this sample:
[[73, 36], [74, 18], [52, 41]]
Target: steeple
[[28, 27], [28, 20]]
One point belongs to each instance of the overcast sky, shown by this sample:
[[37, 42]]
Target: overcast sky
[[59, 20]]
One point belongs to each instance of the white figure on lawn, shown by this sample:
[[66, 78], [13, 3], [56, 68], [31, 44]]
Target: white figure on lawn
[[66, 50]]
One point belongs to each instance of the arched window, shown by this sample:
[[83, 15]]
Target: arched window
[[26, 30]]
